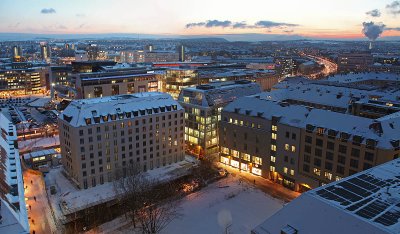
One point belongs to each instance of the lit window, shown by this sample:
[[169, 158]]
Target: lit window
[[273, 159], [291, 172], [285, 170], [287, 146], [235, 153], [317, 171], [257, 160], [246, 157], [293, 148], [230, 120], [272, 168], [274, 128], [328, 175], [337, 178], [273, 147], [273, 136]]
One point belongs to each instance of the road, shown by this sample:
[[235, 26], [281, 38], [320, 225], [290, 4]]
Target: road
[[273, 189], [39, 213], [329, 67]]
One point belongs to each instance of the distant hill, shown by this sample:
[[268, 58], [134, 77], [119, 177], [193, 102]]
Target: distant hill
[[205, 38]]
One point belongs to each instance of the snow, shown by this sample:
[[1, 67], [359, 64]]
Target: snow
[[79, 110], [40, 102], [203, 211], [43, 142], [69, 198]]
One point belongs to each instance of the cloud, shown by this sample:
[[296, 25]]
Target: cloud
[[288, 31], [272, 24], [372, 30], [62, 26], [217, 23], [240, 25], [48, 11], [80, 15], [393, 29], [394, 7], [191, 25], [373, 13]]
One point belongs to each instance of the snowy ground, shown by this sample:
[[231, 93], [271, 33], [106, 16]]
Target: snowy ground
[[203, 211]]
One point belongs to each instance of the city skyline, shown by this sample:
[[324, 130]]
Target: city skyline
[[290, 19]]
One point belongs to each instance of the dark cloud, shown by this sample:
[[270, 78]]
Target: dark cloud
[[191, 25], [48, 11], [217, 23], [288, 31], [393, 29], [373, 13], [372, 30], [80, 15], [394, 7], [240, 25], [272, 24]]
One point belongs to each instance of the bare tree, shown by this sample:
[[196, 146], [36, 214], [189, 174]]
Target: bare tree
[[128, 185], [161, 205]]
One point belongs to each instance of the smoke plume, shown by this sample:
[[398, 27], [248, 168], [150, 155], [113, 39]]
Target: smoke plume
[[372, 30]]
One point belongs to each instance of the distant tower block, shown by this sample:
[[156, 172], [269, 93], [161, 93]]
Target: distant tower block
[[370, 45], [181, 51]]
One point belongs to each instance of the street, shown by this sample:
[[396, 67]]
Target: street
[[273, 189], [39, 213]]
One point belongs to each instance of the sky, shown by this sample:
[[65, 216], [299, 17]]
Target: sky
[[310, 18]]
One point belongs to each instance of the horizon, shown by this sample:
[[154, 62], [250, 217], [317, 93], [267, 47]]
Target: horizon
[[341, 20]]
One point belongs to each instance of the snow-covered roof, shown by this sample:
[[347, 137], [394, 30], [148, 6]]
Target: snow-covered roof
[[219, 73], [40, 153], [366, 202], [218, 93], [357, 77], [83, 112], [382, 131]]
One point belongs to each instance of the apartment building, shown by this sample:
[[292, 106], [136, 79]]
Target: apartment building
[[366, 202], [101, 135], [115, 82], [13, 213], [22, 81], [203, 105], [355, 62], [305, 135]]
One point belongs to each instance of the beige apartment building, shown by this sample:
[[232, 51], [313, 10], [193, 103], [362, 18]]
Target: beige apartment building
[[307, 135], [101, 135]]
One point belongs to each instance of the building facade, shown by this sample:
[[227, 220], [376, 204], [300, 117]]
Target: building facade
[[22, 81], [101, 135], [203, 105], [177, 79], [355, 62], [305, 135], [13, 212]]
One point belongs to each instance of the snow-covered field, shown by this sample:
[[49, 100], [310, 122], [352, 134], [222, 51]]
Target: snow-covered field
[[206, 211]]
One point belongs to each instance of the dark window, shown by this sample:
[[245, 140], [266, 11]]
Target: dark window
[[329, 155], [330, 145], [317, 162], [309, 139], [355, 152], [319, 142], [307, 158], [340, 170], [342, 149], [341, 159], [306, 168], [369, 156], [328, 166], [367, 166], [354, 163], [318, 152], [307, 149]]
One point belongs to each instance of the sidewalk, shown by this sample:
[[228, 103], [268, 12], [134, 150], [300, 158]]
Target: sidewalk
[[40, 211], [273, 189]]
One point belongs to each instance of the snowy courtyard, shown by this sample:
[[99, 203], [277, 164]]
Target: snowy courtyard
[[211, 209]]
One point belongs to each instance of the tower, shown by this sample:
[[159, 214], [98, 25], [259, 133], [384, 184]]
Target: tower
[[181, 51]]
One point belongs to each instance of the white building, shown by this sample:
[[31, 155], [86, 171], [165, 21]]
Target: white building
[[13, 213]]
